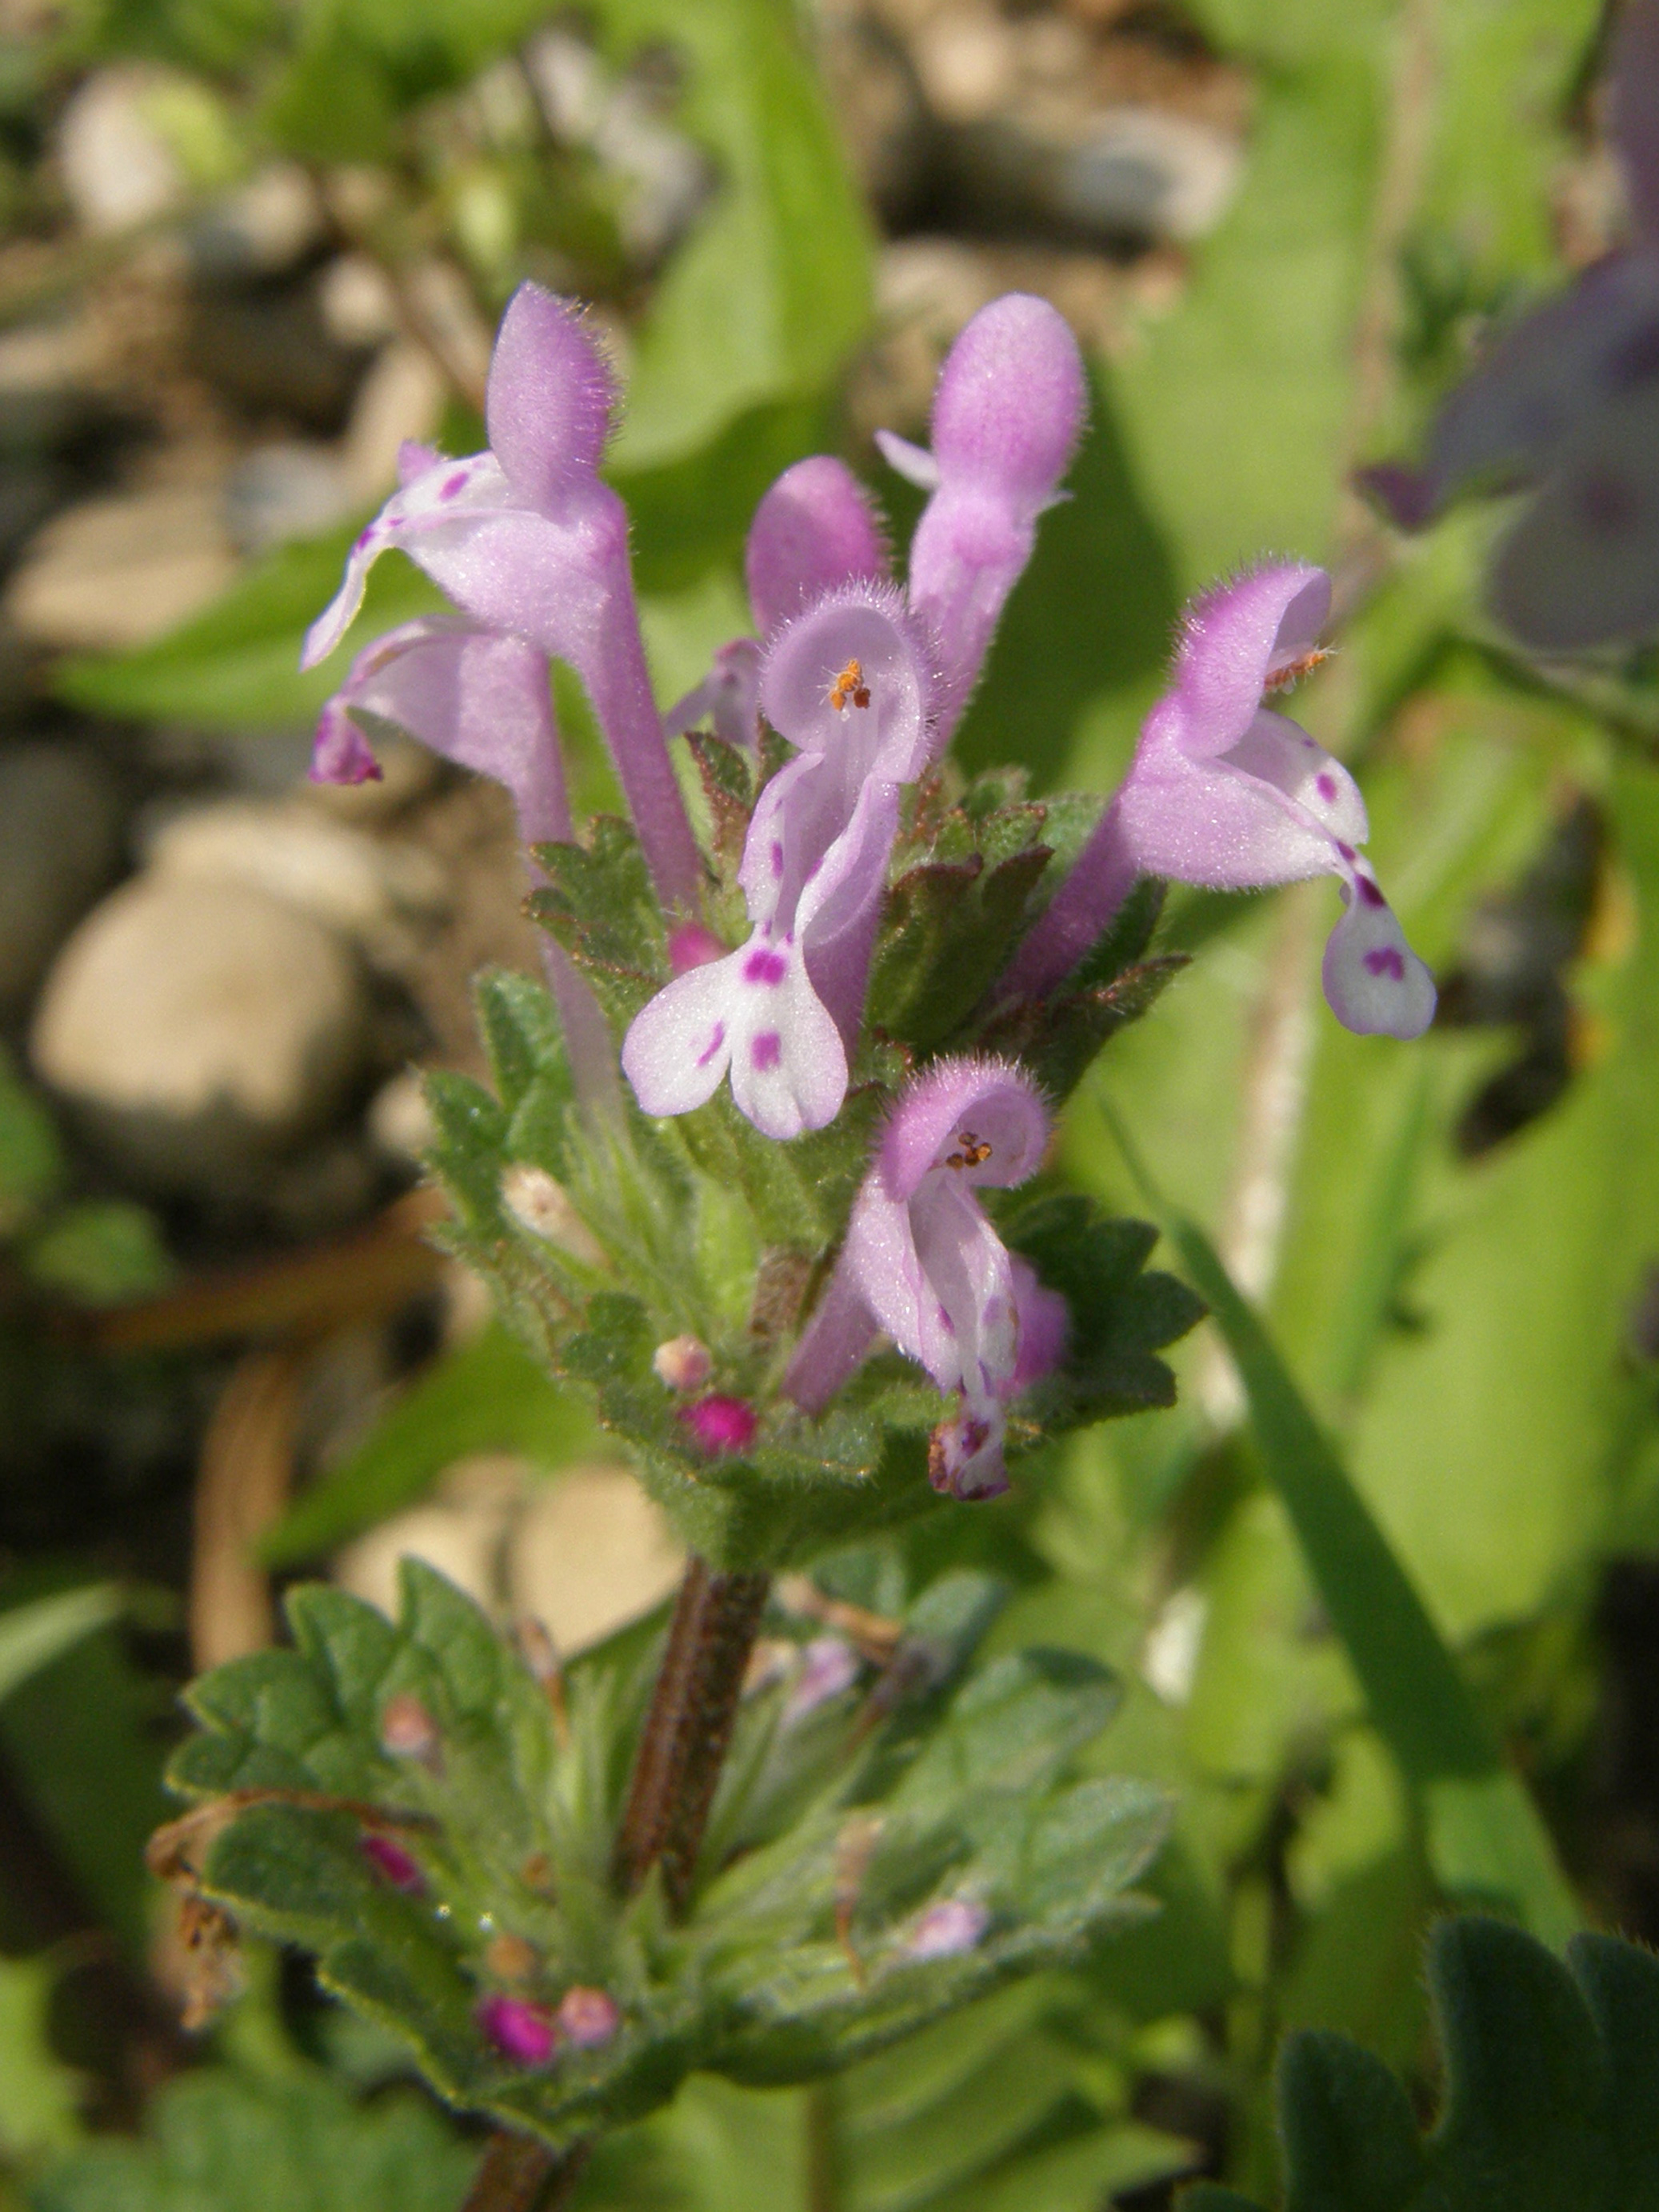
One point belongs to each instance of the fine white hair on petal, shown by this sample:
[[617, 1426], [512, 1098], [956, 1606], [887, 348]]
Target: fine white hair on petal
[[996, 1097]]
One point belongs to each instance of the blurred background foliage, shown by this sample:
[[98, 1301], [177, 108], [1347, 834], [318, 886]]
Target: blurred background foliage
[[250, 243]]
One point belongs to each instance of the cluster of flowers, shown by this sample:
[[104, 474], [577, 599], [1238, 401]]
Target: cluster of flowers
[[866, 682]]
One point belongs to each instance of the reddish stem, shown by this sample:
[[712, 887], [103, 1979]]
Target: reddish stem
[[688, 1727]]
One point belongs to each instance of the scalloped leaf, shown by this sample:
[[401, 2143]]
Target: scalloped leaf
[[430, 1734]]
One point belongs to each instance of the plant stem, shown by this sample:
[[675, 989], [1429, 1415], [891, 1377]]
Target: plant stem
[[520, 2173], [688, 1727]]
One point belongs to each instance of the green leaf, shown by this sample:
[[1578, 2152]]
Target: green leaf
[[216, 2142], [1417, 1697], [511, 1828], [32, 1167], [488, 1396], [34, 1634], [1551, 2083], [39, 2096], [237, 666], [101, 1251], [767, 297], [79, 1736]]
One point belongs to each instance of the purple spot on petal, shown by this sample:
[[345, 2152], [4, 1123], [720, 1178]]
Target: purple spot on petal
[[1369, 893], [451, 485], [777, 859], [714, 1044], [1385, 960], [1346, 851], [764, 966], [1309, 745], [766, 1051], [1326, 786], [947, 1323]]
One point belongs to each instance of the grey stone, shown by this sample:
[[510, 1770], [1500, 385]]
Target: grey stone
[[197, 1029]]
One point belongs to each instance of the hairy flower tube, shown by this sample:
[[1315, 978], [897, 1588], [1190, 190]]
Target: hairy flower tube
[[1224, 792], [922, 1261], [528, 541], [848, 684], [1567, 403], [1007, 415]]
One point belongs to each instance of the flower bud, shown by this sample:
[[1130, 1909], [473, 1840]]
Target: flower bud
[[683, 1363], [721, 1426], [393, 1863], [524, 2032], [587, 2017], [407, 1730]]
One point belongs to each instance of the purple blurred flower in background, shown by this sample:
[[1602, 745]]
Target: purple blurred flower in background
[[922, 1261], [1224, 792], [525, 2034], [1566, 404]]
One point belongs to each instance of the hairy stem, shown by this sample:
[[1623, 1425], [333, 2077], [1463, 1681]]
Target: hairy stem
[[688, 1727], [520, 2173]]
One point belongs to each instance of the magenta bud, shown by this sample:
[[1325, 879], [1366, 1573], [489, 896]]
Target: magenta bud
[[694, 946], [407, 1730], [721, 1426], [587, 2017], [947, 1929], [683, 1363], [525, 2033], [392, 1863]]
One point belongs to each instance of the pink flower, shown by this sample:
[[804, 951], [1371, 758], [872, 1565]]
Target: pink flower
[[922, 1261], [848, 685], [1007, 415], [1222, 792], [814, 531], [485, 700], [1566, 402], [525, 2033], [530, 543]]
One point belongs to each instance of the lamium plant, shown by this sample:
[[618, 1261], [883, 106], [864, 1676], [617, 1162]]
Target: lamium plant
[[763, 1170]]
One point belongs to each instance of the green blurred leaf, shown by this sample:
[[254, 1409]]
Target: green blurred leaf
[[39, 2096], [217, 2141], [488, 1397], [1492, 1842], [32, 1166], [80, 1738], [101, 1251], [34, 1633], [767, 297], [237, 666]]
